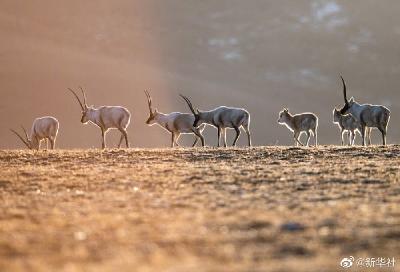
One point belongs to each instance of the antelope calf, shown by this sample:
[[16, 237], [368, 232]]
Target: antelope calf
[[43, 128], [222, 118], [105, 117], [298, 123], [176, 123], [369, 116], [346, 123]]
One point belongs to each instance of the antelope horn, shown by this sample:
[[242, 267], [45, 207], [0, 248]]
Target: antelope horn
[[26, 134], [84, 96], [148, 100], [22, 139], [189, 103], [344, 91], [77, 98]]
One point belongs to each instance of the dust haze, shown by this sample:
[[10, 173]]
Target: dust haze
[[260, 55]]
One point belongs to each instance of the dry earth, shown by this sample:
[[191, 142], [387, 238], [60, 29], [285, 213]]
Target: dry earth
[[258, 209]]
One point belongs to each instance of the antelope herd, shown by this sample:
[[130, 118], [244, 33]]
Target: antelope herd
[[352, 118]]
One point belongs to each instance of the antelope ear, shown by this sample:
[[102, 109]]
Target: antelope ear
[[197, 111], [351, 100], [155, 110]]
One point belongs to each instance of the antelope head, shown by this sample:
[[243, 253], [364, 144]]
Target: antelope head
[[30, 143], [283, 116], [152, 113], [84, 107], [336, 115], [196, 112]]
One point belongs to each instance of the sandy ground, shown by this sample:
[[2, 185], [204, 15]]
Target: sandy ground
[[258, 209]]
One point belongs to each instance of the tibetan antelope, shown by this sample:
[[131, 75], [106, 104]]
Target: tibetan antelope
[[298, 123], [346, 123], [369, 116], [105, 117], [43, 128], [176, 123], [222, 118]]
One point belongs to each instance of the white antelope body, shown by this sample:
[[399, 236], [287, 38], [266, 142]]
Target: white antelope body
[[176, 123], [369, 116], [223, 118], [43, 128], [346, 122], [105, 117], [298, 123]]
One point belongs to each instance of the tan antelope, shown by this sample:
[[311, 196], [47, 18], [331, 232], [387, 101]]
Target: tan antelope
[[105, 117], [298, 123], [346, 123], [43, 128], [222, 118], [369, 116], [175, 122]]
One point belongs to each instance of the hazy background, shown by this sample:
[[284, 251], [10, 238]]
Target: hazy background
[[257, 54]]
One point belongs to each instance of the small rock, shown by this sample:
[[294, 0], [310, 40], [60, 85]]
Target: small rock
[[292, 226], [80, 235]]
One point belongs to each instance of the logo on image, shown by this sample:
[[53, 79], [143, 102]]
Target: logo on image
[[347, 262]]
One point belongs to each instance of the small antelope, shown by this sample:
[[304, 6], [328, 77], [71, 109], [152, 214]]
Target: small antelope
[[369, 116], [298, 123], [346, 122], [43, 128], [222, 118], [105, 117], [176, 123]]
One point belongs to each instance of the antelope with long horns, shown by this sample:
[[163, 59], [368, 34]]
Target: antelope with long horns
[[299, 123], [105, 117], [369, 116], [43, 128], [346, 123], [222, 118], [176, 123]]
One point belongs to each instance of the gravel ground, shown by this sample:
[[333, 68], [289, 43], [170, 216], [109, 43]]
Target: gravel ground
[[194, 209]]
